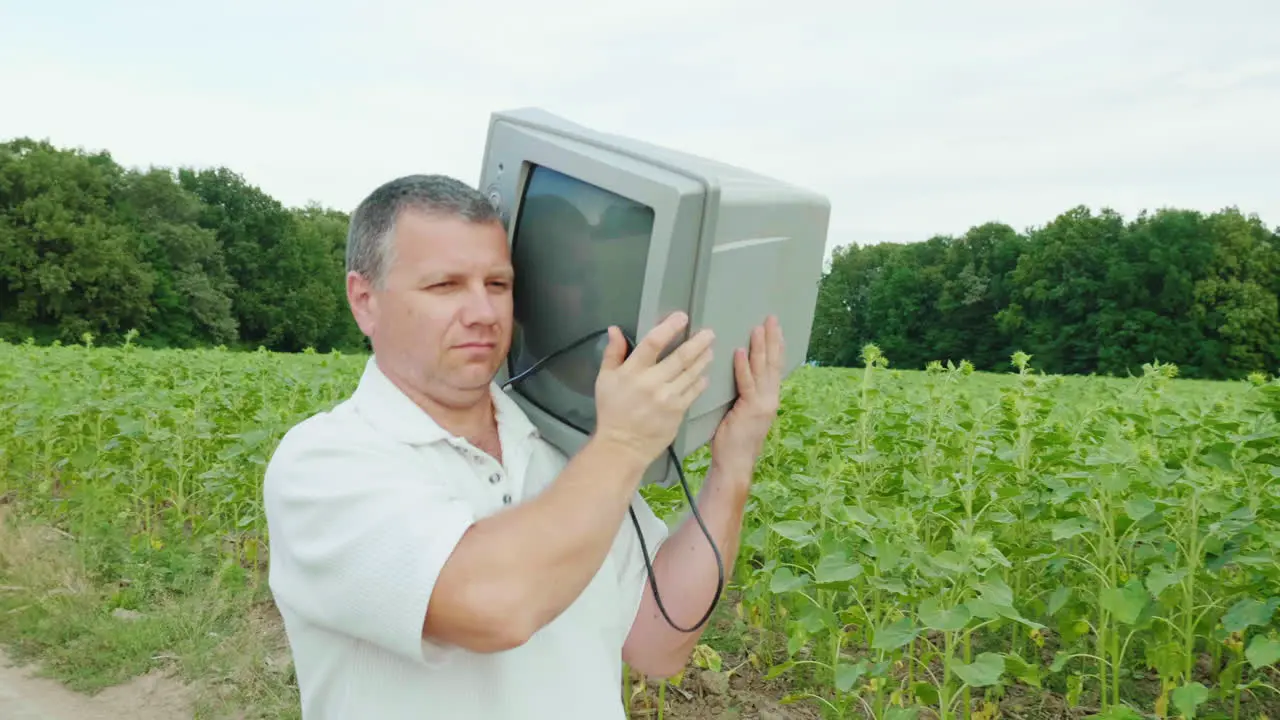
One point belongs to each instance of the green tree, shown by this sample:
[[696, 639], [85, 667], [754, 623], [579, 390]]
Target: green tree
[[250, 226], [191, 300], [1235, 300], [309, 278], [1086, 293], [975, 287], [67, 267]]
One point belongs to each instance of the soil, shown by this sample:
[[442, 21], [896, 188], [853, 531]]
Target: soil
[[702, 694], [25, 696], [707, 695]]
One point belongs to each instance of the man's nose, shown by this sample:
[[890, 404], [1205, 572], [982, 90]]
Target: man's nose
[[481, 305]]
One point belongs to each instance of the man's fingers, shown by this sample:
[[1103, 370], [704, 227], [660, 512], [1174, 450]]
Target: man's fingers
[[695, 389], [694, 370], [759, 352], [774, 343], [742, 373], [685, 355], [615, 351], [656, 340]]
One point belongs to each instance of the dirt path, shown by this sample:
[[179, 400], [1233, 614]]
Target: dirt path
[[23, 696]]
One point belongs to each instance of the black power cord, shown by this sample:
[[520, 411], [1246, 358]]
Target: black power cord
[[671, 452]]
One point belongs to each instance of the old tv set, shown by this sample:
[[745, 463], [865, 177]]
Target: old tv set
[[609, 230]]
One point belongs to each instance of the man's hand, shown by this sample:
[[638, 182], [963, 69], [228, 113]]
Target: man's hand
[[739, 440], [641, 400]]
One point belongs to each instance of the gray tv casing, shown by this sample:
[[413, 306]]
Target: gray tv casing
[[729, 247]]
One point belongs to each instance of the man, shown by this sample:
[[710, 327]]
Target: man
[[430, 555]]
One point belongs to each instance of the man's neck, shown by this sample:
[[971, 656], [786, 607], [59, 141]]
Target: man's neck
[[477, 423], [466, 420], [465, 414]]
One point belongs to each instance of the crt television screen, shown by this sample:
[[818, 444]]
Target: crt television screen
[[580, 253]]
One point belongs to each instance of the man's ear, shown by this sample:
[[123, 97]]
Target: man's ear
[[363, 302]]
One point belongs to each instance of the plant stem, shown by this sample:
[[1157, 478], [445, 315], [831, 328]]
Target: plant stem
[[944, 693], [1189, 585], [968, 691], [1116, 660], [1103, 620], [911, 666]]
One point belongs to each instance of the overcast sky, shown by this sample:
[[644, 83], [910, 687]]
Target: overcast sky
[[915, 118]]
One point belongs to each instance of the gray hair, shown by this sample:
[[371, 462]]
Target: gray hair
[[369, 246]]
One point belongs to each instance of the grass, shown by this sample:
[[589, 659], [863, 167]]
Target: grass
[[940, 543]]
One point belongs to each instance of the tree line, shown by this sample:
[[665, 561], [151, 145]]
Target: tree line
[[196, 257], [184, 258], [1086, 293]]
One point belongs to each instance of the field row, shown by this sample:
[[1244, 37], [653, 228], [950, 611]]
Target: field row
[[940, 542]]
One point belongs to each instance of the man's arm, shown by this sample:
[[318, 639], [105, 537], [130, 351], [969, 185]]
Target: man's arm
[[685, 567], [368, 542], [516, 571], [686, 574], [513, 573]]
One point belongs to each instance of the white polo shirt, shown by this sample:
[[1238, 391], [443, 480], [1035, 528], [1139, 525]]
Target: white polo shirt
[[364, 504]]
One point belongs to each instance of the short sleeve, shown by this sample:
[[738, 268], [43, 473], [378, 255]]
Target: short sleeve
[[358, 536], [629, 553]]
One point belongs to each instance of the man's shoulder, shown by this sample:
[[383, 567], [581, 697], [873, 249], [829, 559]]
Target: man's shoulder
[[332, 440], [338, 427]]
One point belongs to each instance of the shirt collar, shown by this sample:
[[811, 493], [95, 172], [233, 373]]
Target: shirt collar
[[392, 413]]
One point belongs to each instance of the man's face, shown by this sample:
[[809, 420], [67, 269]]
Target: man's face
[[442, 323]]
